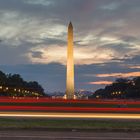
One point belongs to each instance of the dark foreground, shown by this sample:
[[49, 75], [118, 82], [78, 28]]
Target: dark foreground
[[48, 135]]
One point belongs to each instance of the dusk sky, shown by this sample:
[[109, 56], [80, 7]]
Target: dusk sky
[[33, 40]]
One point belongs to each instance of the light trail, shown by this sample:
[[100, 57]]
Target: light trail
[[48, 100], [67, 109], [70, 115]]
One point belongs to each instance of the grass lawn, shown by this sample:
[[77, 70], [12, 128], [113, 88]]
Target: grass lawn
[[29, 123]]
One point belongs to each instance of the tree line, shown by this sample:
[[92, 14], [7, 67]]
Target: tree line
[[15, 83], [121, 89]]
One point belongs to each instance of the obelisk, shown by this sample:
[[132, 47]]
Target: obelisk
[[70, 65]]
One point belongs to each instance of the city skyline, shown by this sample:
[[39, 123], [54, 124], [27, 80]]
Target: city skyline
[[33, 41]]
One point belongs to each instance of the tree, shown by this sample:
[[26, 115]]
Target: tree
[[15, 80], [3, 78], [35, 86], [15, 85], [121, 88]]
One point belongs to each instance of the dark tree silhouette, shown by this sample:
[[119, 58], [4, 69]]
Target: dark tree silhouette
[[121, 88], [3, 78], [14, 85]]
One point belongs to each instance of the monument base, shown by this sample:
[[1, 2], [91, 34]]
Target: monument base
[[65, 97]]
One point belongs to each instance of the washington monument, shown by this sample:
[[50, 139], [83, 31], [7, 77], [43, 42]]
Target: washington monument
[[70, 65]]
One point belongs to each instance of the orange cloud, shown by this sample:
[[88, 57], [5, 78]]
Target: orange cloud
[[134, 67], [123, 75], [100, 83]]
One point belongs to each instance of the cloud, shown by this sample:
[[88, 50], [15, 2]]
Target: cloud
[[134, 67], [122, 75], [82, 55], [111, 6], [39, 2], [17, 28], [100, 83], [104, 35]]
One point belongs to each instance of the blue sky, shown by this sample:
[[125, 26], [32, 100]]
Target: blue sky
[[33, 36]]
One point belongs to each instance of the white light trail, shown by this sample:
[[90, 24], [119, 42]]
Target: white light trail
[[71, 115]]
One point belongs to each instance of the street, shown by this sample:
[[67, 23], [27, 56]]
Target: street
[[65, 135]]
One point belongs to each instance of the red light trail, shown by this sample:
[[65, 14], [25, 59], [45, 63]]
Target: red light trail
[[48, 100], [67, 109], [7, 104]]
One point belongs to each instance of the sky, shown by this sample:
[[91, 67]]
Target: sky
[[33, 41]]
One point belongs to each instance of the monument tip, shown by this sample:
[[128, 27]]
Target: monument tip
[[70, 24]]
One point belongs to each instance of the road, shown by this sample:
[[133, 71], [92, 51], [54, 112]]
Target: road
[[48, 135], [70, 115]]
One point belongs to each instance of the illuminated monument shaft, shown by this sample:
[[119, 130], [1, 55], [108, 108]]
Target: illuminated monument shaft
[[70, 65]]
